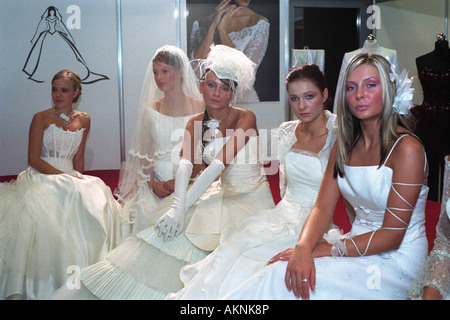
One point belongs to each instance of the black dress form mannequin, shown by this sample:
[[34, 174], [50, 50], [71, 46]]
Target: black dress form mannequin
[[433, 115]]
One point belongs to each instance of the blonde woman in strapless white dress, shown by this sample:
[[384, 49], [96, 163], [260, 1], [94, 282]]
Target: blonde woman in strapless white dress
[[53, 219]]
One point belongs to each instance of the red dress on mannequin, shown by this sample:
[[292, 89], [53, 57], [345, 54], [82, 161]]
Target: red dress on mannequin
[[433, 115]]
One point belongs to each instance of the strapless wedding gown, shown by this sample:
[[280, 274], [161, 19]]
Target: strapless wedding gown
[[144, 208], [147, 267], [247, 250], [52, 225]]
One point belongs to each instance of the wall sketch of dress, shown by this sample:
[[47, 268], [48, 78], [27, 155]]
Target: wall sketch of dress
[[53, 49]]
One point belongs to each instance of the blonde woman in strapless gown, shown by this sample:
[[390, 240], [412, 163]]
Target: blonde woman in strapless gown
[[54, 220]]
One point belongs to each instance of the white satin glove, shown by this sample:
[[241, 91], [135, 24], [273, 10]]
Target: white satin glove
[[171, 223], [204, 181]]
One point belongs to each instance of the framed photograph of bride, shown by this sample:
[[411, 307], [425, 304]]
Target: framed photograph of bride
[[251, 26]]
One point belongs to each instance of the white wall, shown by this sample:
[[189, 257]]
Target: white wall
[[410, 27]]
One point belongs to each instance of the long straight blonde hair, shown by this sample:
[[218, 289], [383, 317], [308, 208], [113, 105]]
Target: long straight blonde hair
[[349, 128]]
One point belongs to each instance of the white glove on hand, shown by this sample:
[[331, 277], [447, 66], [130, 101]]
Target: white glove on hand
[[171, 223], [204, 181]]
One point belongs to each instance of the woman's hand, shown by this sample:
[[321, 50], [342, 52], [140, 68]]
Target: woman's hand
[[301, 273], [227, 16], [431, 293], [162, 188], [282, 256], [169, 185], [221, 8]]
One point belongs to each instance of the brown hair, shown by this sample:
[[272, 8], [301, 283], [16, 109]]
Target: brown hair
[[309, 72], [166, 57], [73, 77]]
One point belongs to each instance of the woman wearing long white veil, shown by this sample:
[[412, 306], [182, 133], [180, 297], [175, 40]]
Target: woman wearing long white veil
[[169, 98]]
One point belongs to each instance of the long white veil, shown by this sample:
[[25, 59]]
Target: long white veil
[[137, 171]]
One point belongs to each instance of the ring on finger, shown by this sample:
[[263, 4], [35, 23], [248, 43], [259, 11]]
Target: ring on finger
[[305, 280]]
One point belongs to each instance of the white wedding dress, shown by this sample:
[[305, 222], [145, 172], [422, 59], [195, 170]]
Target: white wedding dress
[[146, 266], [52, 225], [144, 208], [252, 41], [247, 250], [381, 276]]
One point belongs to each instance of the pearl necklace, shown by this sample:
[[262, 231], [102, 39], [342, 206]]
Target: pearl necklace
[[66, 118]]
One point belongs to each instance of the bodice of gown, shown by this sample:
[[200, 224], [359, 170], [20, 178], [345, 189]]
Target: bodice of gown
[[367, 189], [245, 172], [60, 146], [435, 84], [51, 26], [305, 175], [301, 172], [167, 133]]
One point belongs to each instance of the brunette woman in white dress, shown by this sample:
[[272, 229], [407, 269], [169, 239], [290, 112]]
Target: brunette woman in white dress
[[53, 219], [380, 169], [169, 98], [224, 139], [235, 25], [304, 147]]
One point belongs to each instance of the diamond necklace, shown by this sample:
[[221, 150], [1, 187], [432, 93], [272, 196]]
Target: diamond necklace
[[66, 118]]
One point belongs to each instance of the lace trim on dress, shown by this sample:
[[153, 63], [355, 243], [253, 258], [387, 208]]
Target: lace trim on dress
[[436, 270], [256, 37]]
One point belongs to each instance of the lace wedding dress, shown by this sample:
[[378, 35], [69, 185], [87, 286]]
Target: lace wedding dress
[[53, 224], [252, 41]]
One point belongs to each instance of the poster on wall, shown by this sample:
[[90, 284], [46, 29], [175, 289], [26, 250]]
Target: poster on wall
[[37, 41], [251, 26], [53, 47]]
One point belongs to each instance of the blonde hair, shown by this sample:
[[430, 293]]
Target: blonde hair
[[349, 128], [74, 78]]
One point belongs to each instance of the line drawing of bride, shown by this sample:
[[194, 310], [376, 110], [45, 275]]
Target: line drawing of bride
[[48, 35]]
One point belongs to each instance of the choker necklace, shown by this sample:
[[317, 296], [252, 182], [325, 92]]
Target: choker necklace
[[66, 118], [213, 125]]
